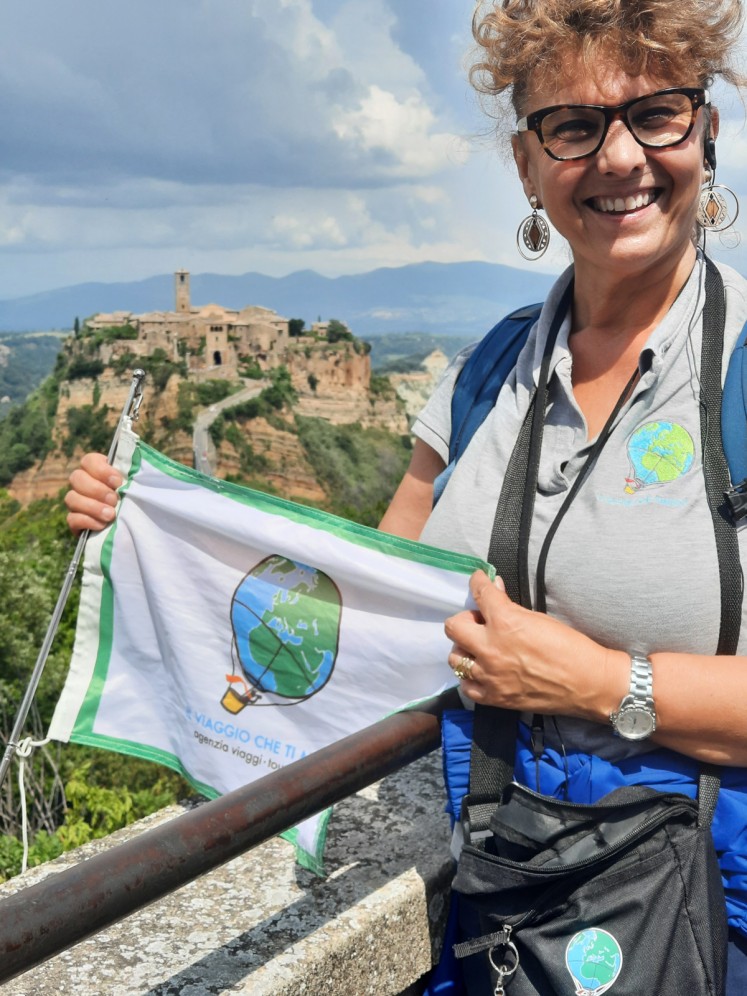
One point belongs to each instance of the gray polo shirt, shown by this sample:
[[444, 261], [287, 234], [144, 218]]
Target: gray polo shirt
[[633, 564]]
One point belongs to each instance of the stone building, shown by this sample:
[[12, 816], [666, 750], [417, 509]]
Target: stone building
[[214, 341]]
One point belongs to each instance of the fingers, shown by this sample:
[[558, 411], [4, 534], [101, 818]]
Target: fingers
[[489, 595], [468, 671], [92, 500], [467, 628], [462, 663], [96, 466]]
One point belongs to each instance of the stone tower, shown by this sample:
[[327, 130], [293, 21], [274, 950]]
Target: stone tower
[[181, 285]]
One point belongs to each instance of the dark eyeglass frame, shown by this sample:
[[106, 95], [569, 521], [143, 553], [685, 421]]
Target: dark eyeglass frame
[[699, 97]]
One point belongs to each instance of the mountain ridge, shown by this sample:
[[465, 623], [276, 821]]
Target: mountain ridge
[[463, 298]]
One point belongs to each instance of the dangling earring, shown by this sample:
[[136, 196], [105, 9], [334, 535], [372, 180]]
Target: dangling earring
[[533, 233], [715, 213]]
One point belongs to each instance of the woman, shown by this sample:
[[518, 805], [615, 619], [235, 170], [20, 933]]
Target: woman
[[631, 576]]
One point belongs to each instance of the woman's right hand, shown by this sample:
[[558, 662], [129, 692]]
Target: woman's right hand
[[93, 497]]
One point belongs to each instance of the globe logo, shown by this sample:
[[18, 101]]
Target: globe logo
[[659, 452], [594, 959], [285, 618]]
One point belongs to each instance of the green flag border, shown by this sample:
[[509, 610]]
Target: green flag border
[[354, 532]]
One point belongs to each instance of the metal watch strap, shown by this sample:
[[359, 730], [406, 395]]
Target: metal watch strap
[[635, 718], [641, 680]]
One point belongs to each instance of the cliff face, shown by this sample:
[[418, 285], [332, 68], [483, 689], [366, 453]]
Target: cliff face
[[415, 388], [343, 408], [48, 476], [288, 471], [112, 390], [43, 480], [328, 368], [332, 382]]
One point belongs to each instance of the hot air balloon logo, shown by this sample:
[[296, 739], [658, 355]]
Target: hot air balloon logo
[[594, 959], [659, 452], [285, 618]]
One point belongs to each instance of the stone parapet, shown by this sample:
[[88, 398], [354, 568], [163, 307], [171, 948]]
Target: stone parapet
[[262, 926]]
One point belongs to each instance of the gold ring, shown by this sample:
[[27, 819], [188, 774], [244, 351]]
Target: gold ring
[[464, 668]]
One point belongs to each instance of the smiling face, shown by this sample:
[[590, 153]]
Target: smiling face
[[626, 209]]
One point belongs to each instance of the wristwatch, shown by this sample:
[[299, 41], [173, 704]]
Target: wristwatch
[[635, 718]]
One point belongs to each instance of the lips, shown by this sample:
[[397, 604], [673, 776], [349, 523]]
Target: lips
[[623, 205]]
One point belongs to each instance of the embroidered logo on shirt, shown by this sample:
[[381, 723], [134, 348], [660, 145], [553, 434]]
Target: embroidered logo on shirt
[[659, 453]]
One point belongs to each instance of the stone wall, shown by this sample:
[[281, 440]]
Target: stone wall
[[262, 926]]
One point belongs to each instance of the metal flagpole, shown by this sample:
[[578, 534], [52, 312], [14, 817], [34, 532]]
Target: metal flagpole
[[130, 410]]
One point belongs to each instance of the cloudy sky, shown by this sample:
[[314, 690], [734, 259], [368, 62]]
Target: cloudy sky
[[270, 135]]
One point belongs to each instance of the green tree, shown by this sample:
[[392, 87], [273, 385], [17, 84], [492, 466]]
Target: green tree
[[338, 332]]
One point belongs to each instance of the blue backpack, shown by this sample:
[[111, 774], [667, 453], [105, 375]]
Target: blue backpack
[[495, 356]]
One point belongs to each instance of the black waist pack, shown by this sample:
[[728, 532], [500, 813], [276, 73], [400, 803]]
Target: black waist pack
[[563, 898]]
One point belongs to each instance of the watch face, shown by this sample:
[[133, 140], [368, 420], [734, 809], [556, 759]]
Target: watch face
[[634, 724]]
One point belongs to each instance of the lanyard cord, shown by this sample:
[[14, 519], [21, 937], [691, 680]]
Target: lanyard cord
[[580, 478]]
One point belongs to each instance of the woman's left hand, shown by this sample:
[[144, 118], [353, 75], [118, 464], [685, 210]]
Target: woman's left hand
[[528, 661]]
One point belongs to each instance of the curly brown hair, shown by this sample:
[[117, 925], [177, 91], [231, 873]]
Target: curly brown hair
[[526, 43]]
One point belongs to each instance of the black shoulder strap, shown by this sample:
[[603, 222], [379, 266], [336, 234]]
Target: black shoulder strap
[[494, 731], [718, 485], [715, 468]]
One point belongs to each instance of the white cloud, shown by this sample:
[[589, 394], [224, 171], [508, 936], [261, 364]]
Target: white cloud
[[402, 129], [270, 135], [292, 25]]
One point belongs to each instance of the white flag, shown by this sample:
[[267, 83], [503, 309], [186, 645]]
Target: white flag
[[225, 633]]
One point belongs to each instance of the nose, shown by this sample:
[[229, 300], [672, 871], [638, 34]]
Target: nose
[[620, 153]]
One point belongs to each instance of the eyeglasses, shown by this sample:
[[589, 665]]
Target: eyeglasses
[[656, 121]]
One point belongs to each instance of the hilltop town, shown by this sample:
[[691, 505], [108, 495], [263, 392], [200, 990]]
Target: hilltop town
[[202, 359], [221, 343]]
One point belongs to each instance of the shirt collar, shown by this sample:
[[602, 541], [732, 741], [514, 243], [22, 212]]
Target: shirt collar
[[688, 302]]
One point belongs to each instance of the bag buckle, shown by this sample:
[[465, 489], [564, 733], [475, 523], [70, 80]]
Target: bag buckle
[[475, 818], [736, 499], [504, 962]]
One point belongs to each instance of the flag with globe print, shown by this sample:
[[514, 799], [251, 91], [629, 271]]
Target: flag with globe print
[[225, 633], [286, 620]]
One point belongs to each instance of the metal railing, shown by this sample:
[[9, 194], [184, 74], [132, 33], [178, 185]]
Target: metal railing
[[45, 919]]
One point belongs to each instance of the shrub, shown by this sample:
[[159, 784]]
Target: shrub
[[25, 435], [210, 391], [88, 429], [251, 369], [84, 366], [358, 468], [337, 332], [381, 387]]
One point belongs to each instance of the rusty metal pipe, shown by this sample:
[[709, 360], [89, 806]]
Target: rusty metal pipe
[[49, 917]]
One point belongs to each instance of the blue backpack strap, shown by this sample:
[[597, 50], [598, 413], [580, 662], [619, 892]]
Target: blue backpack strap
[[480, 380], [734, 426]]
